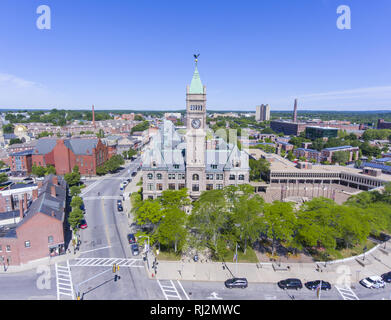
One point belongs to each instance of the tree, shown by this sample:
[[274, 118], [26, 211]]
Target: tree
[[76, 202], [50, 170], [210, 218], [74, 191], [3, 178], [2, 164], [149, 213], [15, 141], [73, 178], [75, 216], [259, 169], [246, 214], [38, 170], [340, 156], [8, 128], [175, 199], [172, 228], [291, 156], [279, 220]]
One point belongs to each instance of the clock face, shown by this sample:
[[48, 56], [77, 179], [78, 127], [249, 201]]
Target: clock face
[[196, 123]]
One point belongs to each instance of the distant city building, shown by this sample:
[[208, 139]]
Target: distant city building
[[262, 113], [316, 132], [381, 124], [64, 154], [287, 127]]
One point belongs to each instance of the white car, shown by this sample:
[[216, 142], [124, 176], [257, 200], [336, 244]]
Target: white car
[[374, 282], [124, 183]]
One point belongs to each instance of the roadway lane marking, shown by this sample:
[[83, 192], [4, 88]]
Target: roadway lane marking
[[180, 284], [95, 249], [347, 293], [168, 289], [107, 262], [64, 286]]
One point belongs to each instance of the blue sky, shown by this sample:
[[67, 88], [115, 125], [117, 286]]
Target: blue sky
[[127, 54]]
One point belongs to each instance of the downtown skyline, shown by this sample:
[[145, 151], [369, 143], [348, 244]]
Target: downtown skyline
[[134, 56]]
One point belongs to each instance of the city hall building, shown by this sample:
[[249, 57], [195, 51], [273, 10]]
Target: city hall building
[[178, 159]]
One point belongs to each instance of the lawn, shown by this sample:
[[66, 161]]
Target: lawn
[[343, 253], [168, 256], [249, 257]]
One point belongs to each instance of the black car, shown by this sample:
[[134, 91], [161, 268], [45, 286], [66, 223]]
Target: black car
[[134, 173], [313, 285], [131, 238], [290, 284], [386, 277], [119, 207], [236, 283]]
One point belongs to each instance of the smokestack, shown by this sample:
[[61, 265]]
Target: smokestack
[[35, 194], [21, 213], [93, 116], [295, 112], [53, 191]]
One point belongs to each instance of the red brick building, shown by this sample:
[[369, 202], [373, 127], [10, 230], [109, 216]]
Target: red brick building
[[39, 233], [20, 163], [64, 154]]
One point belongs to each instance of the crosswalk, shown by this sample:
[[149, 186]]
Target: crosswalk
[[64, 281], [347, 293], [170, 291], [107, 262]]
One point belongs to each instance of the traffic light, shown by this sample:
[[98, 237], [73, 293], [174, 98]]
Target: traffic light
[[117, 267], [114, 268]]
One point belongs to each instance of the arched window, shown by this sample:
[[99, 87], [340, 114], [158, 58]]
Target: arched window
[[196, 177], [150, 176], [241, 177]]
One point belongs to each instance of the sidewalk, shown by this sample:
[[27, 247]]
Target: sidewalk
[[48, 261], [376, 263]]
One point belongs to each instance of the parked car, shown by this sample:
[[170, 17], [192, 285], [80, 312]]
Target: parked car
[[124, 183], [135, 249], [313, 285], [83, 224], [386, 277], [291, 283], [121, 187], [236, 283], [129, 180], [119, 207], [374, 282], [131, 238], [134, 173]]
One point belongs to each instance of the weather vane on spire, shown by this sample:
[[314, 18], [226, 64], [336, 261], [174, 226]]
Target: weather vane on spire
[[196, 57]]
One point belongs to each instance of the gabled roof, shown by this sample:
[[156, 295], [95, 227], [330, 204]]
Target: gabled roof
[[45, 145], [81, 146]]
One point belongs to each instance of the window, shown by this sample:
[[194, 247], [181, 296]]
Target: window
[[171, 186], [8, 248], [171, 176], [196, 187], [219, 186], [241, 177], [150, 176], [176, 166], [196, 177], [219, 176], [150, 186], [209, 187], [209, 177], [214, 166], [159, 176], [27, 244], [50, 239], [159, 187], [1, 248], [150, 197], [231, 177], [181, 186]]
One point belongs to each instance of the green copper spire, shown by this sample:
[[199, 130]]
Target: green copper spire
[[196, 86]]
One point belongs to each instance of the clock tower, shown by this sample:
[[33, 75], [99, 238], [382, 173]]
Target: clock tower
[[195, 134]]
